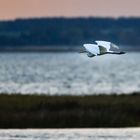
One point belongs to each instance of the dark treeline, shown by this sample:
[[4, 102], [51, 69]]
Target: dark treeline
[[40, 111], [69, 31]]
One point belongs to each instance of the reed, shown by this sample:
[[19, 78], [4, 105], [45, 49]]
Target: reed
[[43, 111]]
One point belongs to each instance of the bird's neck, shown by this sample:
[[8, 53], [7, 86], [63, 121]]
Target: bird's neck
[[111, 52]]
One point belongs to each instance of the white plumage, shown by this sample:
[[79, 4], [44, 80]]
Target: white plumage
[[101, 48], [92, 48], [104, 44]]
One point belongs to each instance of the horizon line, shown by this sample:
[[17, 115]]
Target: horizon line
[[67, 17]]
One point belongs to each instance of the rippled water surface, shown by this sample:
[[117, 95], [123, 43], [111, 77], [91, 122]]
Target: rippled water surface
[[69, 73], [71, 134]]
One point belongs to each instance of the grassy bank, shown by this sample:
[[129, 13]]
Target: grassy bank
[[40, 111]]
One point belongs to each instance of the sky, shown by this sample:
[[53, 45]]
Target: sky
[[11, 9]]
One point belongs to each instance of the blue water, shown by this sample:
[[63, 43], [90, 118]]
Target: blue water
[[69, 73], [70, 134]]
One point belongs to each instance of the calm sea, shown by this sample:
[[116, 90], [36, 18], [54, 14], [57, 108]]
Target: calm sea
[[70, 134], [69, 73]]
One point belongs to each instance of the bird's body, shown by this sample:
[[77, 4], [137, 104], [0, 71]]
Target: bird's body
[[101, 48]]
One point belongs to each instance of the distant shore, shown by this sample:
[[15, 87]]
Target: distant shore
[[41, 49], [43, 111], [55, 49], [69, 31]]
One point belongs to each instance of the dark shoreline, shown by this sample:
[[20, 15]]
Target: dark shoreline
[[40, 49], [52, 49], [69, 31], [44, 111]]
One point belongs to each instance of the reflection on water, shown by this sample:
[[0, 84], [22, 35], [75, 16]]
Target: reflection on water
[[69, 73], [71, 134]]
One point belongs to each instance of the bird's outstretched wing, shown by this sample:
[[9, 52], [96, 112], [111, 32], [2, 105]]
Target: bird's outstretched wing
[[106, 46], [114, 46], [92, 48], [102, 49]]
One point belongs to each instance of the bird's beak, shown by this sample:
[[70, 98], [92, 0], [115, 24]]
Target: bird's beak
[[82, 51]]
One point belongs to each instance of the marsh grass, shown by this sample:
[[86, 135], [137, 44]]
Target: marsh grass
[[42, 111]]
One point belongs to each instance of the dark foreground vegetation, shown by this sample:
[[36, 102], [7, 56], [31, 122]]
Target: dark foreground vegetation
[[67, 32], [40, 111]]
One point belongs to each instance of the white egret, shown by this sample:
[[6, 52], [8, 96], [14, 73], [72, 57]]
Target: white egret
[[100, 48]]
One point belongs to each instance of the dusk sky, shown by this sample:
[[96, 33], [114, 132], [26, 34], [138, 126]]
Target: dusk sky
[[11, 9]]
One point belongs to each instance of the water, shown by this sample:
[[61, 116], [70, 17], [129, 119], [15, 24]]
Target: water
[[70, 134], [69, 73]]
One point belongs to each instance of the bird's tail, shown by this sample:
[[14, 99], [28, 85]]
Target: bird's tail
[[82, 51]]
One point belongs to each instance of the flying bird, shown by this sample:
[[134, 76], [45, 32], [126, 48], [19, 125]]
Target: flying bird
[[101, 48]]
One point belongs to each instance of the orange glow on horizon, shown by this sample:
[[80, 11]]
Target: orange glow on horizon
[[72, 8]]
